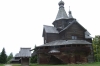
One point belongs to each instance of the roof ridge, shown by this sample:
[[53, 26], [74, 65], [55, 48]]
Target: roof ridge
[[71, 24], [25, 48], [47, 25], [68, 25]]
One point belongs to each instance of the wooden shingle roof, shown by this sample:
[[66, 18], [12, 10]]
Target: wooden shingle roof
[[24, 52], [50, 29], [71, 24], [61, 13], [64, 42], [13, 59], [87, 35]]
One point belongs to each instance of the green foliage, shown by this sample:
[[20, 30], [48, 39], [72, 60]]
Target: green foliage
[[3, 56], [33, 59], [96, 47], [9, 57]]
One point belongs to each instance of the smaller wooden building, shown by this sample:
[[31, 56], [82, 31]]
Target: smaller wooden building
[[22, 57], [16, 59]]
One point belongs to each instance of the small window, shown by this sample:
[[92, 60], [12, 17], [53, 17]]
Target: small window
[[74, 37]]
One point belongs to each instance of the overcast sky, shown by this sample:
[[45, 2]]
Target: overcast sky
[[21, 21]]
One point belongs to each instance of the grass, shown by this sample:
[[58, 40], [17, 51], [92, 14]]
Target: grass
[[85, 64], [1, 64]]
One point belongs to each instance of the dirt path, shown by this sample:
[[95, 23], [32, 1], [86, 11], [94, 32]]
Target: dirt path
[[8, 65]]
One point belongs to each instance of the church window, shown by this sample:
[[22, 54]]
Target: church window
[[74, 37]]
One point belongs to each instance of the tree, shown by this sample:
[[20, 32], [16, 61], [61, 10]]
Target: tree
[[96, 47], [33, 59], [9, 57], [3, 56], [34, 56]]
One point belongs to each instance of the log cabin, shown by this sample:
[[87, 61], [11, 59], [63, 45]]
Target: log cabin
[[23, 57], [67, 41]]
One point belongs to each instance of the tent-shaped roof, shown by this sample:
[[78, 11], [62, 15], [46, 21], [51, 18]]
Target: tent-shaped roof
[[61, 13]]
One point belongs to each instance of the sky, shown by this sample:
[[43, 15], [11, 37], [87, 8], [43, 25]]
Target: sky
[[21, 21]]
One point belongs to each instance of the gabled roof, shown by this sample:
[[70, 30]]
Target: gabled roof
[[17, 55], [71, 24], [50, 29], [24, 52], [13, 59], [68, 25], [87, 37], [87, 33], [64, 42]]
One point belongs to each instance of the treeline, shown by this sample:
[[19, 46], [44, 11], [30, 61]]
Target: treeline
[[4, 58], [96, 47]]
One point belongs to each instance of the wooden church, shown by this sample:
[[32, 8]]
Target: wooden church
[[65, 42]]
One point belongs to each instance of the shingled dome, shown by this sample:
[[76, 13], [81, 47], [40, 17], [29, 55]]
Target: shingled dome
[[61, 3]]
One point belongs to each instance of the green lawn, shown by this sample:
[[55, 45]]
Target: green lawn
[[87, 64], [1, 65]]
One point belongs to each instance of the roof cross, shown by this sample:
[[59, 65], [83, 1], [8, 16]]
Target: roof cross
[[69, 8]]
